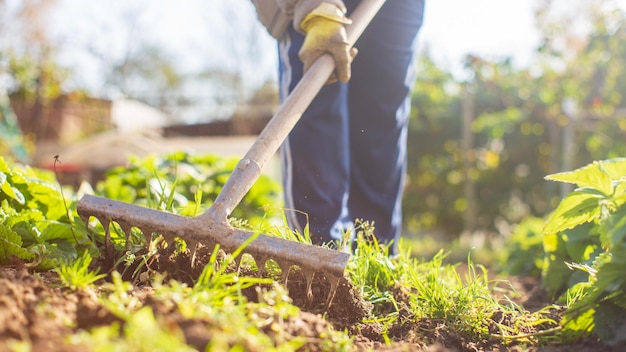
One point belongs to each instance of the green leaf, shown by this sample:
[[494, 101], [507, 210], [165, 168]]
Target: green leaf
[[578, 325], [57, 230], [577, 208], [580, 242], [593, 175], [619, 198], [555, 275], [613, 230], [610, 277], [46, 198], [23, 223], [114, 188], [610, 323], [553, 242], [7, 189], [615, 168], [56, 252], [555, 272], [4, 167], [11, 246]]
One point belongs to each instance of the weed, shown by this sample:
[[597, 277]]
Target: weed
[[459, 298], [77, 275]]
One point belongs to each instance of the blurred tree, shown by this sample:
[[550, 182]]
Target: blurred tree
[[236, 44], [433, 150], [139, 59], [583, 81], [134, 64], [560, 113]]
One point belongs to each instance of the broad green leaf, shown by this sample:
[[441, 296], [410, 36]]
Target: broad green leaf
[[24, 223], [615, 168], [610, 277], [575, 209], [57, 230], [593, 175], [555, 272], [7, 189], [620, 194], [576, 326], [610, 323], [4, 168], [555, 275], [48, 199], [613, 230], [115, 189], [11, 246], [7, 186], [18, 196], [553, 242], [58, 251], [580, 242]]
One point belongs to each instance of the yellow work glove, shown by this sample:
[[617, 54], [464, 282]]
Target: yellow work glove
[[325, 33]]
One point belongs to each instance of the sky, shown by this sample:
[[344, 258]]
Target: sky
[[487, 28], [451, 29]]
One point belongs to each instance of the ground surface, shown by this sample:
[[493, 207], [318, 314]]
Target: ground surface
[[34, 308]]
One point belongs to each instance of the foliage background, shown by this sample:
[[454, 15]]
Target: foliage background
[[479, 146], [560, 113]]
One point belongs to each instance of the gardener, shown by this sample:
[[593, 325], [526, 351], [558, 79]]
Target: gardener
[[346, 157]]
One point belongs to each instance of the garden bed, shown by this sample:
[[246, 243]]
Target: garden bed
[[36, 310]]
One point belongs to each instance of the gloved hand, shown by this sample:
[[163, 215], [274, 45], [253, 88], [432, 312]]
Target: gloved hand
[[325, 33]]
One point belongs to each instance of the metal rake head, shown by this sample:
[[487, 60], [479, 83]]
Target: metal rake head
[[208, 231]]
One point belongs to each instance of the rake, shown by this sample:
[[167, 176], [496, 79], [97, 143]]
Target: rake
[[212, 227]]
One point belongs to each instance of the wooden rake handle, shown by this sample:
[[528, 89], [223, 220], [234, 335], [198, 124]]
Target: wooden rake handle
[[288, 114]]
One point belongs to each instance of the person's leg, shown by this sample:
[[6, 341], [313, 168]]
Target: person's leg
[[379, 103], [315, 154]]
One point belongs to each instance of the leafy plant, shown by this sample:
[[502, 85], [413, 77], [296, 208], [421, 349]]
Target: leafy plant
[[33, 217], [440, 292], [372, 270], [455, 297], [216, 299], [187, 184], [182, 184], [523, 254], [77, 275], [587, 233], [11, 246]]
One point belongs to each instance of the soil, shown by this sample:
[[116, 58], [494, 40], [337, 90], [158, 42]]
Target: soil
[[34, 308]]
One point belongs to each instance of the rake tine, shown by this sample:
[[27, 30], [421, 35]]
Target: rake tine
[[309, 274], [334, 283]]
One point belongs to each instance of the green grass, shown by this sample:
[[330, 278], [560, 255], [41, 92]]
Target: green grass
[[460, 296], [77, 275]]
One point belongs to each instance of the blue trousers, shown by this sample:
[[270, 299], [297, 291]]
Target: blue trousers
[[346, 157]]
